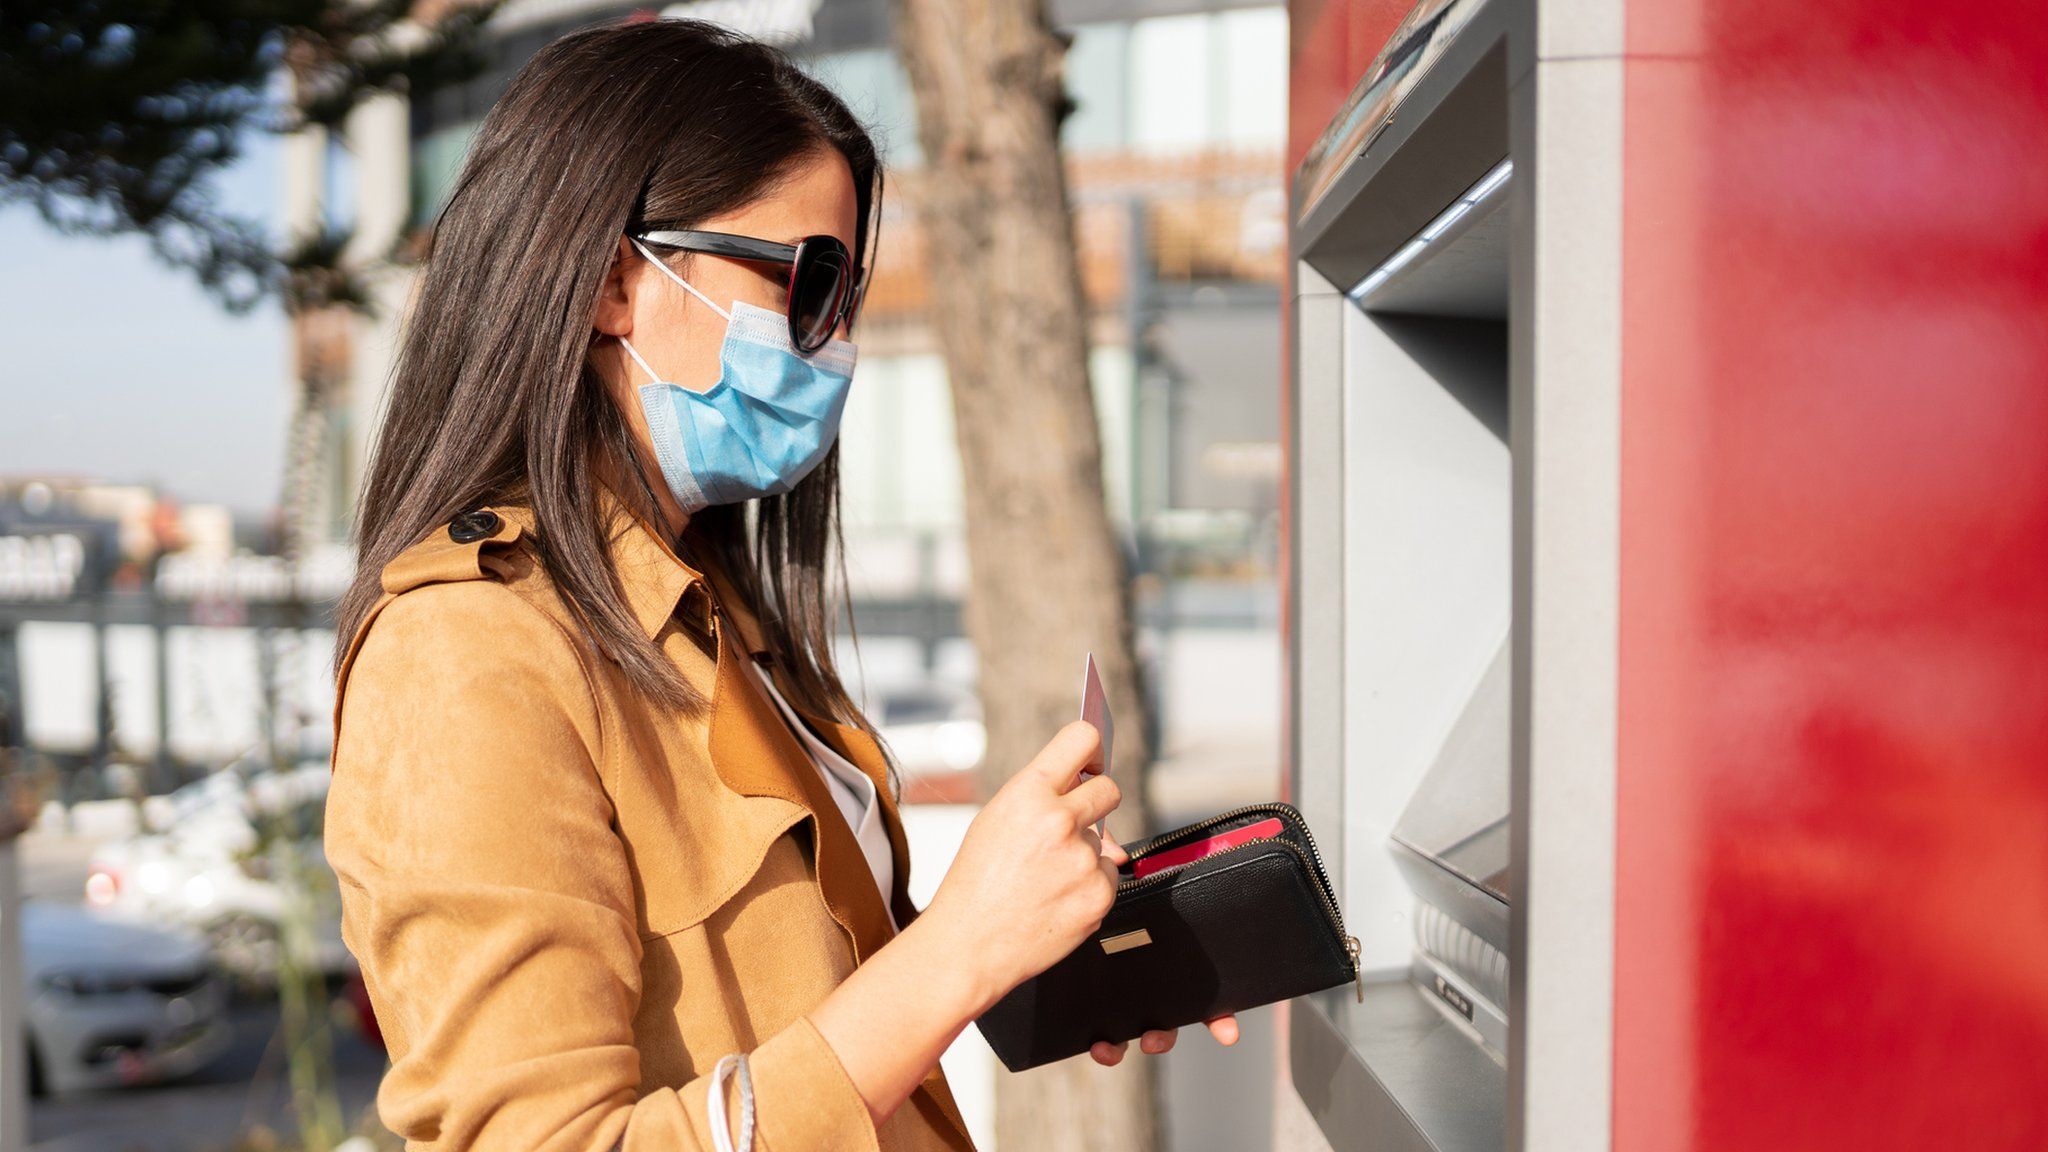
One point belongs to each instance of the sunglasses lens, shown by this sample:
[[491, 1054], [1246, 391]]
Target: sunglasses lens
[[815, 297]]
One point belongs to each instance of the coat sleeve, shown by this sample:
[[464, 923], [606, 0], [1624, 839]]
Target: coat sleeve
[[489, 902]]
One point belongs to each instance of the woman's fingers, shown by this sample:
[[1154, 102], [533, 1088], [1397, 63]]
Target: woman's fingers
[[1159, 1040], [1094, 798], [1059, 763]]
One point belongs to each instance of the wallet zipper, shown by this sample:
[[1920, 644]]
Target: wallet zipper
[[1313, 857]]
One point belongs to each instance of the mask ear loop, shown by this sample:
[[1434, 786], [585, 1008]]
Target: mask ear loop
[[671, 274], [652, 375]]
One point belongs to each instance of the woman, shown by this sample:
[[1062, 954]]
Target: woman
[[605, 819]]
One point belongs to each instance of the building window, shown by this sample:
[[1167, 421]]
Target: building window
[[1252, 90], [1096, 65], [1170, 92], [877, 91]]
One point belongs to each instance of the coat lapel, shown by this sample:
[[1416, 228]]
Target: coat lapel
[[861, 749], [848, 740], [857, 746], [757, 754]]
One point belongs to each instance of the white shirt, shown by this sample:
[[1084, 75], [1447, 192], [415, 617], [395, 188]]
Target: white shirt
[[851, 790]]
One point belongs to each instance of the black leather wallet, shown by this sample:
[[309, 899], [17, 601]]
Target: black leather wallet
[[1211, 926]]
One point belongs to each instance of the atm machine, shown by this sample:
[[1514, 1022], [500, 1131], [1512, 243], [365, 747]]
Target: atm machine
[[1637, 737], [1407, 332]]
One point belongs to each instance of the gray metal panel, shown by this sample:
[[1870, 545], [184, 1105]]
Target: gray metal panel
[[1449, 129], [1467, 277], [1566, 336], [1393, 1074], [1428, 519], [1315, 641]]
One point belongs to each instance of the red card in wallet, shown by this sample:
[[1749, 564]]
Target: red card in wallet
[[1185, 853]]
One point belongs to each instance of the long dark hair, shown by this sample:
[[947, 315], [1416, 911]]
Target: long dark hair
[[608, 130]]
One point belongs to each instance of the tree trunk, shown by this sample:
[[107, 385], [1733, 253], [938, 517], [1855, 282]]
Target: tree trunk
[[1047, 578]]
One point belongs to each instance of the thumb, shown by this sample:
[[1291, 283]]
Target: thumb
[[1112, 849]]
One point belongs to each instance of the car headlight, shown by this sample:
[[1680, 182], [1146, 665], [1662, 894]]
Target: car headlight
[[153, 878], [199, 892], [103, 887], [962, 744]]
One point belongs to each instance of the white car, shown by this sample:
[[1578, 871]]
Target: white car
[[112, 1003], [214, 871], [932, 726]]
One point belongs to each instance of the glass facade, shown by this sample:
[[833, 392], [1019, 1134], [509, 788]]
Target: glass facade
[[1155, 86]]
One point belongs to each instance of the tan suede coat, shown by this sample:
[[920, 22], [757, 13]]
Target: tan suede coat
[[569, 901]]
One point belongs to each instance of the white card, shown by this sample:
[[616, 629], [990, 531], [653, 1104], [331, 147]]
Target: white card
[[1095, 710]]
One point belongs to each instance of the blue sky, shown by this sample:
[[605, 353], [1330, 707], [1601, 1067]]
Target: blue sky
[[117, 367]]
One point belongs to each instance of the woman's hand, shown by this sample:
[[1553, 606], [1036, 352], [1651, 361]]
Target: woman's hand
[[1031, 879], [1223, 1027]]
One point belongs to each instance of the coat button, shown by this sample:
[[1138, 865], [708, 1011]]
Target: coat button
[[473, 525]]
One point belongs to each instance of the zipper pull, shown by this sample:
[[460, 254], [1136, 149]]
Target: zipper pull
[[1351, 945]]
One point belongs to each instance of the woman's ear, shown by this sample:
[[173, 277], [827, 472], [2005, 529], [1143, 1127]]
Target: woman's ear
[[614, 316]]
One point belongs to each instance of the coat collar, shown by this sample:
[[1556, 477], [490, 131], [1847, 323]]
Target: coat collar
[[753, 750], [653, 577]]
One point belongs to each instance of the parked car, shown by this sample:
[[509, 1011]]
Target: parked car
[[112, 1003], [931, 725], [214, 869]]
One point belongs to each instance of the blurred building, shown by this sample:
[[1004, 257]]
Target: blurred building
[[136, 628], [133, 527], [1175, 154]]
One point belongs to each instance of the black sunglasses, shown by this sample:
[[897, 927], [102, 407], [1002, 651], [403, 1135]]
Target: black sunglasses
[[823, 286]]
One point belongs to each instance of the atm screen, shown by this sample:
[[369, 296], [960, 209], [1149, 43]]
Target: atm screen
[[1457, 819]]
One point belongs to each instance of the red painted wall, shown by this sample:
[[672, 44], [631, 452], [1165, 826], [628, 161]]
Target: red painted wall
[[1832, 915]]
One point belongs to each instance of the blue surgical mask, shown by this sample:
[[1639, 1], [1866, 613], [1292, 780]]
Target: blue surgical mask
[[769, 420]]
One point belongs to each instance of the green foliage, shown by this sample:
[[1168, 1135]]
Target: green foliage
[[117, 115]]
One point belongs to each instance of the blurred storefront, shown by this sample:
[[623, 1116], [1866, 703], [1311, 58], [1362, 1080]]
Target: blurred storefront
[[138, 633]]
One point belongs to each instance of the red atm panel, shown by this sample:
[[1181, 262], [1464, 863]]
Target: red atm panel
[[1832, 910]]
